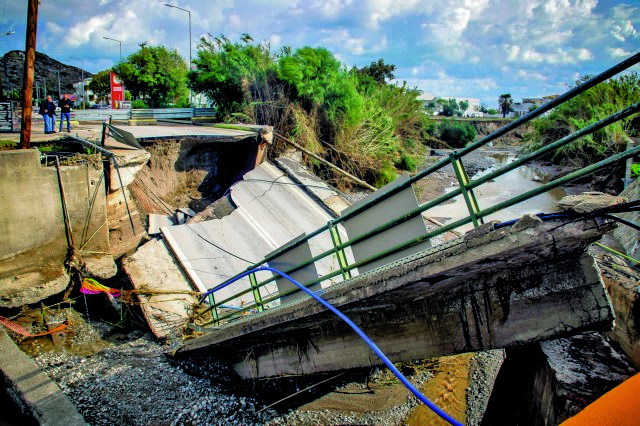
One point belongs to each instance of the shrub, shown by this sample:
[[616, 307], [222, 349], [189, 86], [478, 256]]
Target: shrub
[[635, 170], [456, 134], [588, 107], [405, 162], [139, 104], [386, 174]]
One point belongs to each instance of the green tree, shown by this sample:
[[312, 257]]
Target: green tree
[[313, 71], [456, 134], [504, 104], [379, 71], [588, 107], [100, 83], [156, 74], [236, 78], [464, 105]]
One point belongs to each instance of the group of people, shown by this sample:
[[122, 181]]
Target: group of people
[[48, 112]]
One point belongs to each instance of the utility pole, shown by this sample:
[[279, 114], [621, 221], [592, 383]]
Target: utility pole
[[29, 71], [83, 94]]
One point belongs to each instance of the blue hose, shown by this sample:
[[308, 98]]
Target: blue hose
[[361, 333]]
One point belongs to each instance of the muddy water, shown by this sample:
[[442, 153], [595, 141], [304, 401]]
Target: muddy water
[[516, 182]]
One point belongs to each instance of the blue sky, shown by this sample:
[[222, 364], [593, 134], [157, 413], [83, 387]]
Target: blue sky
[[465, 48]]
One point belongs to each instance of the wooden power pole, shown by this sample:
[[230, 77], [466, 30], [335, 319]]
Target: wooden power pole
[[29, 71]]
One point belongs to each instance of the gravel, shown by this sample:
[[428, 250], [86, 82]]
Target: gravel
[[134, 383]]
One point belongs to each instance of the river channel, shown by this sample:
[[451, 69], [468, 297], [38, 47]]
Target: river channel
[[518, 181]]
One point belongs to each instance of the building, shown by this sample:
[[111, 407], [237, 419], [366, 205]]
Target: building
[[82, 92], [473, 110]]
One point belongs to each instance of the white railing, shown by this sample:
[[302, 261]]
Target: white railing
[[126, 114]]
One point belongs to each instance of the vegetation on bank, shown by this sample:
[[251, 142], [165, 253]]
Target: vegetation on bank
[[595, 104], [352, 117]]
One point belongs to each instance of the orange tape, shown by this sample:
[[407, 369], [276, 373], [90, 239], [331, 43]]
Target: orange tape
[[22, 331]]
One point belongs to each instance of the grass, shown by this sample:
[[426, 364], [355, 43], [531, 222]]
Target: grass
[[7, 144]]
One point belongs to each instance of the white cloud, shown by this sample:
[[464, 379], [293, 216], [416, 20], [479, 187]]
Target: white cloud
[[81, 33], [618, 53]]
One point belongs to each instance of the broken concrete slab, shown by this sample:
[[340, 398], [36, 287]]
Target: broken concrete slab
[[331, 198], [629, 237], [51, 203], [166, 295], [271, 211], [493, 290], [546, 383], [588, 201], [32, 286], [621, 282], [41, 398], [157, 221]]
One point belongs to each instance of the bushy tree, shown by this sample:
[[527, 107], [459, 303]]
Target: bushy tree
[[100, 83], [310, 97], [235, 75], [156, 74], [456, 134], [588, 107], [313, 71], [378, 71]]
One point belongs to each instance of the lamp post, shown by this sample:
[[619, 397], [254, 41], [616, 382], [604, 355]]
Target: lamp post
[[120, 43], [189, 12], [59, 93]]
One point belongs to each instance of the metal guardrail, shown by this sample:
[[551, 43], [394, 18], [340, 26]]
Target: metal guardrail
[[128, 114], [465, 189]]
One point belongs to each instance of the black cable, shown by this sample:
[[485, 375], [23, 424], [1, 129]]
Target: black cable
[[220, 248]]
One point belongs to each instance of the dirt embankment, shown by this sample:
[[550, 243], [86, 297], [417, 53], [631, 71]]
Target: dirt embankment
[[485, 128]]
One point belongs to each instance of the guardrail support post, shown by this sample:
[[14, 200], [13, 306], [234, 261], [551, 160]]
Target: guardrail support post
[[214, 309], [256, 292], [340, 254], [469, 196]]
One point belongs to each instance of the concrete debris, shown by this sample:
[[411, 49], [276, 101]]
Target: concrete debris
[[271, 211], [589, 201], [165, 293], [157, 221]]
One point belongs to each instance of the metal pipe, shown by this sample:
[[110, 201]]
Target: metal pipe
[[325, 162]]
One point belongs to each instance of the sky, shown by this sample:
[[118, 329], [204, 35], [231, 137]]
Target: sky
[[463, 48]]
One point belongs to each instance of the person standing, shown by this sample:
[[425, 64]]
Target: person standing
[[52, 115], [44, 112], [65, 112]]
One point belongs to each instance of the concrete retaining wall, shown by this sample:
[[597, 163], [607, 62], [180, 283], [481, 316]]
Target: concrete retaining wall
[[32, 221]]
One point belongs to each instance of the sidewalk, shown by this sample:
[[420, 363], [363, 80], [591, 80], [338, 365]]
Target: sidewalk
[[88, 131]]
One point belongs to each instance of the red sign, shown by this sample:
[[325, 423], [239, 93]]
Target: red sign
[[117, 91]]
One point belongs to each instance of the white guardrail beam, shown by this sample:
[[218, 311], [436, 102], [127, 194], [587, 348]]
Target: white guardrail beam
[[127, 114]]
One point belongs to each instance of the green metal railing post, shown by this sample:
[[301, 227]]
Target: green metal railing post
[[340, 254], [255, 289], [469, 196], [213, 309]]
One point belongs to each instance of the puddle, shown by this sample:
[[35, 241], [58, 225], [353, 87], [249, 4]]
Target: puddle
[[518, 181]]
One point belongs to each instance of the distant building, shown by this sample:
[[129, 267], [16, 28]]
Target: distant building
[[528, 104], [473, 110], [82, 92]]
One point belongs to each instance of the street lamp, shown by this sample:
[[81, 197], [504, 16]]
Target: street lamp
[[189, 12], [119, 42], [59, 94]]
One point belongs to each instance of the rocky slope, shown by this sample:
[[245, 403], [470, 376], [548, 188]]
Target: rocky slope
[[46, 68]]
